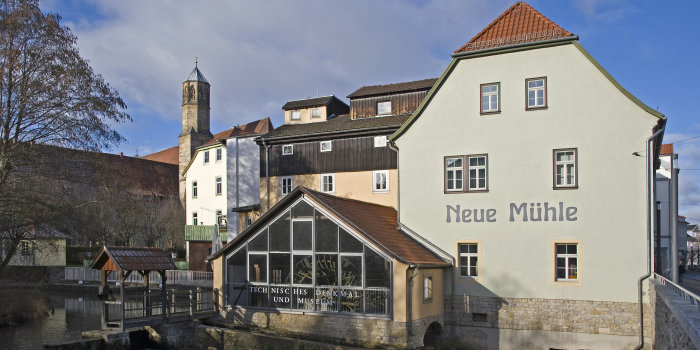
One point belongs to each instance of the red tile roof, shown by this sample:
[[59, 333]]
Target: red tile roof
[[261, 126], [517, 25], [169, 155], [667, 149]]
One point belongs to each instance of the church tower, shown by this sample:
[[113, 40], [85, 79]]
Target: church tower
[[195, 120]]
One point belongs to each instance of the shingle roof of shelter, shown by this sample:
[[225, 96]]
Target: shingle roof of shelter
[[386, 89], [133, 259], [339, 124], [310, 102], [377, 223], [517, 25]]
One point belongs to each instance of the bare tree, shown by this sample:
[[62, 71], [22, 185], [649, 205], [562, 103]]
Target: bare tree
[[49, 95]]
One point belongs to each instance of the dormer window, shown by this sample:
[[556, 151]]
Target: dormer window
[[287, 150], [384, 108], [296, 115], [316, 113]]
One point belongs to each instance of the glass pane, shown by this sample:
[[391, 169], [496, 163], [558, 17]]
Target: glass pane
[[303, 270], [472, 162], [348, 243], [281, 296], [463, 261], [573, 273], [571, 248], [377, 302], [279, 234], [561, 249], [258, 295], [472, 183], [327, 299], [259, 243], [351, 267], [326, 234], [472, 248], [481, 160], [473, 272], [464, 271], [327, 269], [380, 273], [485, 103], [303, 298], [561, 262], [302, 210], [257, 271], [236, 267], [302, 235], [464, 248], [561, 273], [351, 300], [280, 272]]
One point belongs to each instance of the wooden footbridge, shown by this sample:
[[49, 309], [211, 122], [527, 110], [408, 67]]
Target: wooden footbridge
[[140, 305]]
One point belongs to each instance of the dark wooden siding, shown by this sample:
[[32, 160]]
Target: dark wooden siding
[[349, 154], [336, 107], [403, 103]]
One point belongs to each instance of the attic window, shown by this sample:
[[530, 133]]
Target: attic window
[[316, 113], [296, 115], [287, 150], [384, 108], [326, 146]]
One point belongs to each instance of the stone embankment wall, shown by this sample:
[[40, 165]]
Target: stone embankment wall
[[677, 321]]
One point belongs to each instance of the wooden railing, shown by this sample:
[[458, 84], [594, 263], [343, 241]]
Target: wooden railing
[[179, 277]]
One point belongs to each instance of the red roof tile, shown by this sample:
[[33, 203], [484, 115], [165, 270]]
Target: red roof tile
[[517, 25], [667, 149], [169, 155], [261, 126]]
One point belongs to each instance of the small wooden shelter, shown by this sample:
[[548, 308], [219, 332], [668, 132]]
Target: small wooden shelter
[[124, 261]]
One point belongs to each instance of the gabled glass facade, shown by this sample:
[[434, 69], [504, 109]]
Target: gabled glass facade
[[303, 260]]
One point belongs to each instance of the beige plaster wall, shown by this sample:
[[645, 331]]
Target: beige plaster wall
[[306, 116], [218, 277], [586, 111]]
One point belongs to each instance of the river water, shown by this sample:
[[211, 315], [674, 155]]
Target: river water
[[74, 312]]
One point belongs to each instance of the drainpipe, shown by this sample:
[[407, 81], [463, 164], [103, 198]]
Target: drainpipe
[[651, 218], [409, 322], [673, 220], [238, 197]]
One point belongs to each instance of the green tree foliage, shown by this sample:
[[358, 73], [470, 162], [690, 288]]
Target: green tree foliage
[[49, 95]]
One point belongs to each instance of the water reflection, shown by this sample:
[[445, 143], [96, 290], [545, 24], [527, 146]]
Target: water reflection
[[74, 312]]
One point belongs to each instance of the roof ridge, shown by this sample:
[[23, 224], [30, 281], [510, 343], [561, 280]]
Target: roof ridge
[[399, 83], [314, 192], [309, 98]]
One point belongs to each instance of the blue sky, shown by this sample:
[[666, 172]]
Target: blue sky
[[258, 55]]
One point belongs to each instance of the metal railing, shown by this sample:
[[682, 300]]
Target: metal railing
[[689, 296], [182, 277]]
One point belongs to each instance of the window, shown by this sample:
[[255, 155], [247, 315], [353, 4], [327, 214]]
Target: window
[[326, 146], [206, 157], [287, 150], [380, 141], [454, 173], [296, 115], [384, 108], [468, 259], [381, 181], [477, 173], [194, 189], [490, 96], [328, 183], [218, 154], [566, 262], [24, 248], [286, 185], [248, 221], [194, 218], [536, 93], [316, 113], [427, 288], [217, 190], [565, 168]]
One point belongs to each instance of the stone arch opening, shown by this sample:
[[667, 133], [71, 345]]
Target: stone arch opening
[[433, 335]]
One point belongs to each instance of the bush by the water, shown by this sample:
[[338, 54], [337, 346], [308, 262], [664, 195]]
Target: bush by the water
[[21, 305]]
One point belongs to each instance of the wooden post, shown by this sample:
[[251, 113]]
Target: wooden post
[[123, 302], [105, 306], [191, 304], [163, 296], [147, 293], [198, 298], [215, 299]]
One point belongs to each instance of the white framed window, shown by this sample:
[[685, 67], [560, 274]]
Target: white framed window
[[217, 187], [565, 168], [194, 189], [326, 146], [24, 248], [206, 157], [380, 141], [384, 108], [567, 261], [328, 183], [490, 97], [380, 181], [536, 92], [286, 185], [218, 154], [454, 174], [468, 259], [287, 150], [427, 288], [477, 166], [194, 218], [296, 115], [316, 113]]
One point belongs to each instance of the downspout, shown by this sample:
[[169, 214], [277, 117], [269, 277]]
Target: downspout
[[651, 217], [238, 204], [409, 323]]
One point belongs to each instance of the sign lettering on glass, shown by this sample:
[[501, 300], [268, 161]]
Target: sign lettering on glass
[[283, 294], [518, 212]]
